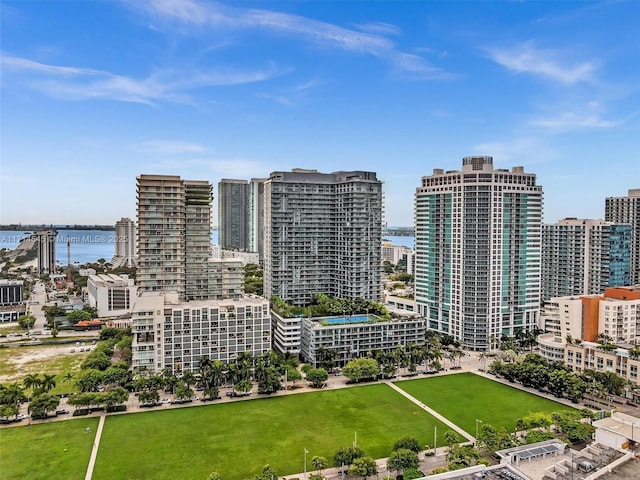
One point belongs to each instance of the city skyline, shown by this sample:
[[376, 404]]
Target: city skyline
[[97, 93]]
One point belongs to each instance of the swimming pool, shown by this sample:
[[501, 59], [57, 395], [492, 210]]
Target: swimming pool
[[341, 320]]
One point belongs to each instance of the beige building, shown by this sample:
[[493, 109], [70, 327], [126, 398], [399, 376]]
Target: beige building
[[588, 356], [174, 334]]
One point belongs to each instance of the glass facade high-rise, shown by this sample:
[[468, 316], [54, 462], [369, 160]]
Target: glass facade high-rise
[[241, 215], [627, 210], [233, 214], [584, 256], [478, 249], [174, 235], [322, 234]]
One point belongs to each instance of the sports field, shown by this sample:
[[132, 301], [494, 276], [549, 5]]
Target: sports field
[[465, 397]]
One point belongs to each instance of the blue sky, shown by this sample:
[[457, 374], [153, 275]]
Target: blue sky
[[95, 93]]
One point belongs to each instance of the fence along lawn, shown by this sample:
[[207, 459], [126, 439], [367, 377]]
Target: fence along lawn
[[465, 397]]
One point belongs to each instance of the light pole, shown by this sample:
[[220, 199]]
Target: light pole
[[477, 421], [305, 462]]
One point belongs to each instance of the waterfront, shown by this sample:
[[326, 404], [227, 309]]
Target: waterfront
[[86, 245], [90, 245]]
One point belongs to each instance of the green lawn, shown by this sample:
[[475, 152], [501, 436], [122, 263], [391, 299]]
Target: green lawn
[[237, 439], [465, 397], [58, 450]]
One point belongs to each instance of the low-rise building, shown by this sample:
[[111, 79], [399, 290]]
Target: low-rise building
[[620, 431], [111, 295], [591, 356], [287, 334], [551, 347], [171, 334], [11, 292], [401, 306], [355, 336]]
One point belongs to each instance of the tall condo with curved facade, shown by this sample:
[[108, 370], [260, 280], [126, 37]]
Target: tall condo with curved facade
[[478, 250]]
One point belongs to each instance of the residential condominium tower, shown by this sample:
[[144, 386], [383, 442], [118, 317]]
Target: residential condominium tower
[[241, 215], [322, 234], [582, 256], [174, 235], [125, 244], [478, 234], [627, 210], [233, 214]]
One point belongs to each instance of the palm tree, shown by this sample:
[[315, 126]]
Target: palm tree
[[67, 377], [319, 463], [48, 382], [31, 381]]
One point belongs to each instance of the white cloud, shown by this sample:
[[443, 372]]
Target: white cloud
[[573, 121], [202, 15], [380, 28], [75, 83], [167, 147], [517, 151], [526, 58]]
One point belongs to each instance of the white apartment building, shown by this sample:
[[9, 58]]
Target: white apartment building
[[357, 335], [322, 234], [478, 251], [627, 210], [584, 256], [125, 244], [287, 334], [174, 334], [46, 246], [562, 317], [111, 295]]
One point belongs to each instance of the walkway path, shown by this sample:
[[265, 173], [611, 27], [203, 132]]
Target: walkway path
[[94, 452], [444, 420]]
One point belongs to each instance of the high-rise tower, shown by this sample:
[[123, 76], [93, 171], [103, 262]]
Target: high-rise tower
[[322, 234], [233, 214], [46, 245], [174, 235], [627, 210], [125, 243], [478, 234], [584, 256]]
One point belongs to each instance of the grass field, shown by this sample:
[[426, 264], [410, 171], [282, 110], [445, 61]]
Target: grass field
[[17, 362], [465, 397], [59, 450], [237, 439]]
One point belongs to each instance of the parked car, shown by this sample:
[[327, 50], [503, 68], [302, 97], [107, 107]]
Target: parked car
[[165, 401], [62, 411], [21, 417]]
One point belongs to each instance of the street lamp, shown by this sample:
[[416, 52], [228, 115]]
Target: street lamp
[[477, 421], [305, 462]]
